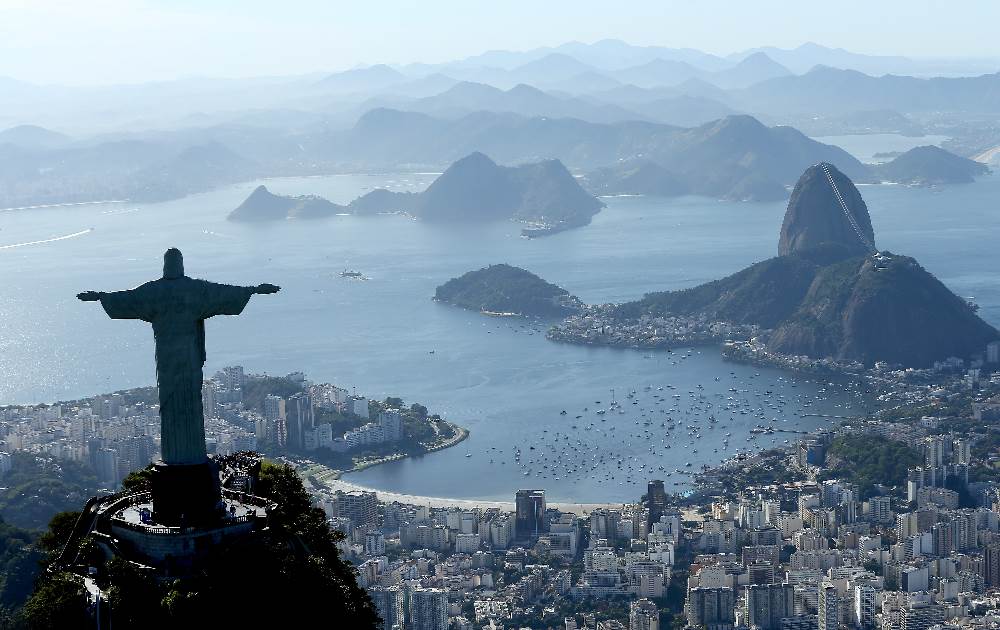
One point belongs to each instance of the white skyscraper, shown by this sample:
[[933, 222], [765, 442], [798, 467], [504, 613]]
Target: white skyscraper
[[392, 426]]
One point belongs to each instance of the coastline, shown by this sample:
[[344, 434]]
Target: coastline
[[461, 433], [320, 477], [335, 484]]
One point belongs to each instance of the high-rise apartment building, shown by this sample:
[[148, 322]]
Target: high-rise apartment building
[[529, 513]]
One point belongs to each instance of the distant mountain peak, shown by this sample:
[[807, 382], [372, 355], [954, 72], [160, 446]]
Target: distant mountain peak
[[761, 60], [474, 158], [737, 123], [33, 137], [379, 75], [821, 68], [813, 46], [757, 57], [555, 57], [472, 88], [553, 62], [524, 88], [379, 68]]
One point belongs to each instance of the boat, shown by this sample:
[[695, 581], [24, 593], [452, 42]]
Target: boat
[[356, 275]]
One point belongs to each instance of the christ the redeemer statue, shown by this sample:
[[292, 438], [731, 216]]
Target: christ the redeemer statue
[[177, 307]]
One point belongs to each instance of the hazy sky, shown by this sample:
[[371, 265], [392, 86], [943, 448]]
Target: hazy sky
[[105, 41]]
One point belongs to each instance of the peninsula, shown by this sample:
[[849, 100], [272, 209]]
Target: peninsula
[[829, 295]]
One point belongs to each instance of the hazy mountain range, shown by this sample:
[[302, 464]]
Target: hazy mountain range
[[625, 111], [611, 54], [594, 70], [735, 157]]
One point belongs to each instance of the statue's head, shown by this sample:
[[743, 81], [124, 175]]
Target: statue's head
[[173, 264]]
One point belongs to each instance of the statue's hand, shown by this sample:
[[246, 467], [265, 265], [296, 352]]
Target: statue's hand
[[89, 296], [265, 289]]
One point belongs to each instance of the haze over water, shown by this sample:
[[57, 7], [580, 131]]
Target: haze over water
[[501, 379]]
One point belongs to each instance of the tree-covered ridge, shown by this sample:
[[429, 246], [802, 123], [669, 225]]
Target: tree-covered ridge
[[506, 289], [889, 310], [765, 293], [867, 460], [294, 560], [822, 302], [38, 486], [19, 562]]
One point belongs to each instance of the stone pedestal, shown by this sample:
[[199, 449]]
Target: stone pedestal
[[186, 495]]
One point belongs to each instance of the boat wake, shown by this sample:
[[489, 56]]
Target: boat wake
[[48, 240], [64, 205], [217, 234]]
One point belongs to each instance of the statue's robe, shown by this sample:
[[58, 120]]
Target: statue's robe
[[177, 308]]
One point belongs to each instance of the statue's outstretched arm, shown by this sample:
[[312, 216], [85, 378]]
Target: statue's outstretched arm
[[228, 299], [137, 303]]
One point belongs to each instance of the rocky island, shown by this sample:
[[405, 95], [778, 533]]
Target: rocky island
[[263, 205], [827, 296], [543, 195], [930, 165], [507, 290]]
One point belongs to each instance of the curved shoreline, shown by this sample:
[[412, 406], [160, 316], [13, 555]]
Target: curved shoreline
[[322, 477], [335, 484], [461, 433]]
